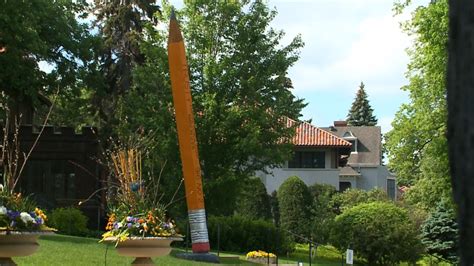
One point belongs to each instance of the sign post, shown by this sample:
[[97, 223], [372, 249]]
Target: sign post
[[349, 257]]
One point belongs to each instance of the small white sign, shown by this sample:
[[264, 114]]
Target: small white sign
[[349, 256]]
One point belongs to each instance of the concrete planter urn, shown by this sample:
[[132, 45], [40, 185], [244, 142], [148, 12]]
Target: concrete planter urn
[[18, 244], [143, 248]]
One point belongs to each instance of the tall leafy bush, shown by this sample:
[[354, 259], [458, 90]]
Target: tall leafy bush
[[253, 201], [380, 232], [295, 204]]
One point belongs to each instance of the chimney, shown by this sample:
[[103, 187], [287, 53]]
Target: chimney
[[340, 123]]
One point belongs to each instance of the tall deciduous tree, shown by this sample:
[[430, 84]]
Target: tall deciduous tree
[[241, 93], [40, 32], [361, 113], [417, 144], [239, 78]]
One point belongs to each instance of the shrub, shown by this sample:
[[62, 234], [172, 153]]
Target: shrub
[[379, 232], [294, 200], [241, 234], [352, 197], [254, 201], [322, 212], [440, 233], [69, 221]]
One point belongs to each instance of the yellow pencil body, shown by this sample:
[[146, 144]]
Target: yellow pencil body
[[187, 138]]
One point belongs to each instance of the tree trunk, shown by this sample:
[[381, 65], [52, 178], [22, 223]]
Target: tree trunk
[[460, 89]]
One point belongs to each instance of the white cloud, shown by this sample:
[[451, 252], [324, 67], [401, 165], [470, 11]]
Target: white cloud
[[386, 123], [375, 55]]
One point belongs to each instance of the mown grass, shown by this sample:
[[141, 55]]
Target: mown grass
[[70, 250]]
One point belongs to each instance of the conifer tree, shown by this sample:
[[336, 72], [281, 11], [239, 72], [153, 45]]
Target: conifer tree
[[439, 233], [360, 113]]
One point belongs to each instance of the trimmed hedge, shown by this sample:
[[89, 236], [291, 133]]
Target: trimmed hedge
[[242, 234]]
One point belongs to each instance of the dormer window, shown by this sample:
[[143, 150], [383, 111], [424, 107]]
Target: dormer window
[[352, 139]]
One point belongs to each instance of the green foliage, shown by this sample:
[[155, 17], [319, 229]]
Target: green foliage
[[69, 221], [234, 94], [40, 31], [242, 234], [417, 145], [322, 211], [440, 233], [122, 26], [353, 197], [254, 202], [223, 40], [360, 113], [275, 208], [295, 203], [380, 232]]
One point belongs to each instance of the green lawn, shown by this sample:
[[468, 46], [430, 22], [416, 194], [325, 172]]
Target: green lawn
[[69, 250]]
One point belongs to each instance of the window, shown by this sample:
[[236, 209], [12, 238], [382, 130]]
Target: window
[[352, 139], [391, 188], [344, 186], [308, 159], [354, 144]]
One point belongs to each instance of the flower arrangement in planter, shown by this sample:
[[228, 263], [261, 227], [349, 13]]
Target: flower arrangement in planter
[[20, 214], [21, 221], [262, 257], [137, 221]]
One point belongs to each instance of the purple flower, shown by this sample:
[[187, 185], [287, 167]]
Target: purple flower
[[129, 218], [129, 225], [12, 215]]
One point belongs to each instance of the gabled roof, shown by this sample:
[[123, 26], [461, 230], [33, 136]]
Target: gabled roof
[[312, 136], [369, 143]]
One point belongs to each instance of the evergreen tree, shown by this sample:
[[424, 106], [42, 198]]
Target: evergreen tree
[[439, 233], [360, 113], [122, 25]]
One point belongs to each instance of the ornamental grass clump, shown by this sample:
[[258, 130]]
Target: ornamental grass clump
[[135, 209]]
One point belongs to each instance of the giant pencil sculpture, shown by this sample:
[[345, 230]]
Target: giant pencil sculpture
[[187, 138]]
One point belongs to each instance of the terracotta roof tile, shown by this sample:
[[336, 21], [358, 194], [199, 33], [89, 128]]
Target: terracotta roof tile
[[309, 135]]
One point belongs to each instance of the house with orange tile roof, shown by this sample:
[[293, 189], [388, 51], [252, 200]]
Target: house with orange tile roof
[[341, 156], [317, 156]]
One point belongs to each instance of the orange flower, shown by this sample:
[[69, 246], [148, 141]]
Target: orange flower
[[141, 221], [110, 222]]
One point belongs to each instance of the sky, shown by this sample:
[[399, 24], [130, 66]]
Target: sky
[[346, 42]]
